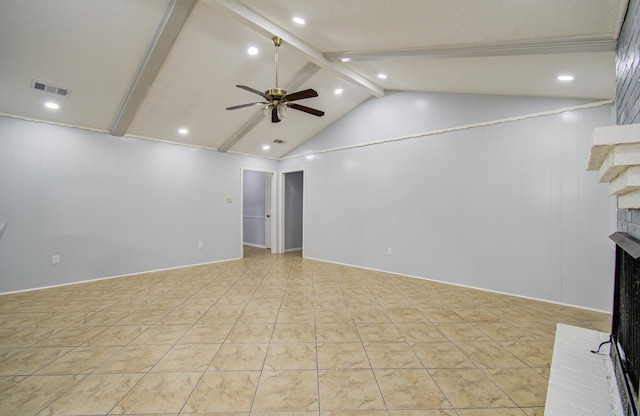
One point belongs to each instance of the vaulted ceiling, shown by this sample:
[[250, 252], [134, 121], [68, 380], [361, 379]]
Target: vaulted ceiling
[[146, 68]]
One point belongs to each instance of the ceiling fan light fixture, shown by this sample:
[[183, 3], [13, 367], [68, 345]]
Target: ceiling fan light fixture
[[282, 111], [276, 100]]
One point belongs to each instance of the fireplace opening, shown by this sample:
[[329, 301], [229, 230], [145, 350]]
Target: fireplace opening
[[625, 326]]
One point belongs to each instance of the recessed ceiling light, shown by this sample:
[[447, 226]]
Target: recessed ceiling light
[[382, 76], [338, 91], [183, 130], [266, 147], [565, 78], [298, 20], [51, 105], [345, 59], [252, 50]]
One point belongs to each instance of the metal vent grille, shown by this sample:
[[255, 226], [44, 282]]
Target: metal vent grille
[[52, 89], [278, 141]]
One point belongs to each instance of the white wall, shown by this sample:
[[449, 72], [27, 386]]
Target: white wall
[[505, 207], [111, 205], [410, 112]]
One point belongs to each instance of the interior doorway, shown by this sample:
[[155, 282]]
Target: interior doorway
[[292, 211], [256, 208]]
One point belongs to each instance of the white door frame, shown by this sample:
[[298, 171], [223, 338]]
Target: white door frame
[[272, 229], [268, 208], [281, 214]]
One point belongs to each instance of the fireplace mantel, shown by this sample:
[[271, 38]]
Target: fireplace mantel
[[629, 244], [615, 154]]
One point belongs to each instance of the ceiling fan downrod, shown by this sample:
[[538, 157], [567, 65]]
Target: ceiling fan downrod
[[277, 93], [277, 42]]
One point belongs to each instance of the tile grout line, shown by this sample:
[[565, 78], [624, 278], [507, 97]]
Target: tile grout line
[[150, 368], [384, 401], [255, 393], [241, 277], [84, 375], [178, 341], [315, 333]]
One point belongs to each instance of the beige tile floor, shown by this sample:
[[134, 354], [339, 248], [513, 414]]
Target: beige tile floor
[[276, 335]]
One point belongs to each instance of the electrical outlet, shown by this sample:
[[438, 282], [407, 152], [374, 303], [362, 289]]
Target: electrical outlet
[[229, 200], [200, 244], [55, 259]]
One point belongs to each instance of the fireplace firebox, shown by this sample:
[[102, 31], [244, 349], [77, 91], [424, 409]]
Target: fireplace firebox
[[625, 327]]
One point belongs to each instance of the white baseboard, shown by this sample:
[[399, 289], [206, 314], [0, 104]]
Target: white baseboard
[[254, 245], [461, 285], [121, 275]]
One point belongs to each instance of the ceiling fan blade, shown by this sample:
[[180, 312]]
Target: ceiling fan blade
[[274, 115], [253, 90], [309, 110], [294, 96], [235, 107]]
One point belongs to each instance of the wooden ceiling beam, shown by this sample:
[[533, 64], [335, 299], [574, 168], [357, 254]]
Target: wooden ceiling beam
[[164, 34]]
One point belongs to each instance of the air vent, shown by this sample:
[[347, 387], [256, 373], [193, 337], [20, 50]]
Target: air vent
[[278, 141], [52, 89]]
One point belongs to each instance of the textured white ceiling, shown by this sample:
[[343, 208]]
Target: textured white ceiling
[[94, 47], [529, 75], [338, 25]]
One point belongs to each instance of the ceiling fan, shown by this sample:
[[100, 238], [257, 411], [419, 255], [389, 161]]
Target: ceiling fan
[[277, 101]]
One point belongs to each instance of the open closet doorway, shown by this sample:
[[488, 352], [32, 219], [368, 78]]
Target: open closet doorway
[[293, 211], [256, 209]]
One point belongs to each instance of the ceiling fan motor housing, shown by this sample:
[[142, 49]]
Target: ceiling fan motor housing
[[276, 93]]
